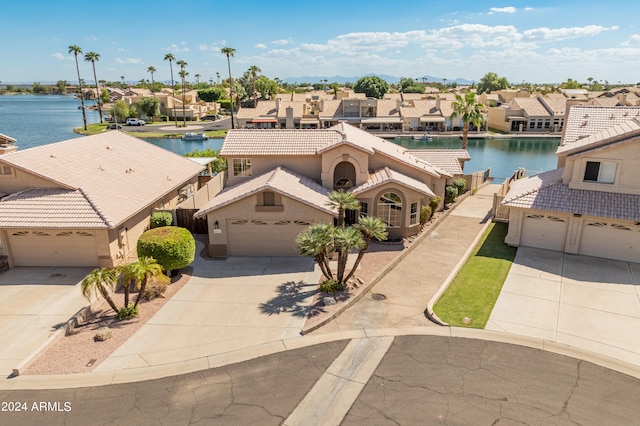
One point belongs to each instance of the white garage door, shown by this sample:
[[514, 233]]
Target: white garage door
[[611, 240], [53, 248], [544, 231], [264, 237]]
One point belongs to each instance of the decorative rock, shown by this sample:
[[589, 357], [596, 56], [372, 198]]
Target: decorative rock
[[329, 301], [103, 334]]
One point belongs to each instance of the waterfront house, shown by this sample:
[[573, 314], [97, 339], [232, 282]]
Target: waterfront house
[[590, 204], [278, 182], [86, 201]]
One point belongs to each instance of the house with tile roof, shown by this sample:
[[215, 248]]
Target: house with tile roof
[[590, 204], [537, 114], [86, 201], [278, 181]]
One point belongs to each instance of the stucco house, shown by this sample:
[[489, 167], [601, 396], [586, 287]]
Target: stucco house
[[86, 201], [278, 181], [590, 204]]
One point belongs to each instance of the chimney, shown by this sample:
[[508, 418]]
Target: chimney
[[289, 123]]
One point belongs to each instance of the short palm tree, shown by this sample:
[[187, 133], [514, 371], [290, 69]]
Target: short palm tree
[[151, 70], [77, 50], [342, 200], [141, 271], [317, 242], [470, 111], [100, 282], [345, 240], [94, 57], [372, 228], [169, 57], [229, 52]]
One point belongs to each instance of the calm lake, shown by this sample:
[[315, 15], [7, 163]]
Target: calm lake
[[38, 120]]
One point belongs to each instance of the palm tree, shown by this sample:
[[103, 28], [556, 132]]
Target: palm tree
[[217, 77], [151, 70], [342, 201], [183, 74], [372, 228], [254, 70], [470, 111], [229, 52], [345, 240], [317, 241], [100, 281], [169, 57], [141, 271], [76, 50], [93, 57], [197, 77]]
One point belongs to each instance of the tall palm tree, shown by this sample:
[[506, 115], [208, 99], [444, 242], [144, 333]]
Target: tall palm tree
[[229, 52], [77, 50], [183, 74], [197, 77], [100, 281], [94, 57], [151, 70], [345, 240], [342, 201], [169, 57], [317, 242], [141, 271], [254, 70], [217, 77], [371, 228], [470, 111]]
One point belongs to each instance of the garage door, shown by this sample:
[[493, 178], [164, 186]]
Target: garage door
[[544, 231], [264, 237], [53, 248], [611, 240]]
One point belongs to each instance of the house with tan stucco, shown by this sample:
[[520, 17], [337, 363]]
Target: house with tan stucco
[[590, 204], [86, 201], [278, 181]]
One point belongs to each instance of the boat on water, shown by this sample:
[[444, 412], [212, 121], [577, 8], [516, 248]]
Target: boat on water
[[191, 136], [422, 137]]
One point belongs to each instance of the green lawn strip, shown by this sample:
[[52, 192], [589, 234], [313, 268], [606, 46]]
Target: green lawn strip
[[475, 289]]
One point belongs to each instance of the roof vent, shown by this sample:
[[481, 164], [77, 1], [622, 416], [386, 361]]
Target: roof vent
[[584, 123], [52, 155], [585, 116], [109, 147], [611, 117]]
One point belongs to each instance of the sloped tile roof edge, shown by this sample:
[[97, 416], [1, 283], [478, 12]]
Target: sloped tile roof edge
[[395, 177]]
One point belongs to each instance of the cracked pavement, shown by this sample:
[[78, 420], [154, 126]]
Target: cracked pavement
[[421, 380]]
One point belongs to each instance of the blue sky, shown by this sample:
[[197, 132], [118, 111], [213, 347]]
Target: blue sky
[[536, 41]]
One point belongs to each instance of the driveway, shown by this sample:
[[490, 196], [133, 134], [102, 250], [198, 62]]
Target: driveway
[[34, 302], [227, 305], [581, 301]]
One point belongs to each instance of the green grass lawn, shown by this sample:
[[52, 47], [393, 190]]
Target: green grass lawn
[[96, 128], [475, 289]]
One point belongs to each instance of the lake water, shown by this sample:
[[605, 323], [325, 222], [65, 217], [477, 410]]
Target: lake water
[[38, 120]]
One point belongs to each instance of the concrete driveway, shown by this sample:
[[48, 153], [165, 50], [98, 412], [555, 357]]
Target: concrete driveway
[[581, 301], [227, 305], [34, 302]]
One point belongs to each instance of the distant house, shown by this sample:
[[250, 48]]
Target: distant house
[[537, 114], [279, 180], [590, 204], [86, 201]]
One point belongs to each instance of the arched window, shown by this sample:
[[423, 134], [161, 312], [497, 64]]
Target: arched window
[[344, 175], [390, 209], [343, 183]]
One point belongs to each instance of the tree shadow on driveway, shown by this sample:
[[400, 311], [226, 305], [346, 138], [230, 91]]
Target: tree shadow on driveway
[[293, 298]]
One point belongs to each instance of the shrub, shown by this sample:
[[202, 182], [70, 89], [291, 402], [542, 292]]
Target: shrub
[[128, 312], [461, 184], [434, 203], [159, 219], [331, 286], [450, 194], [156, 286], [425, 214], [172, 247]]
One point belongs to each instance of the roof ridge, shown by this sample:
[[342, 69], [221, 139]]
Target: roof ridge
[[97, 209]]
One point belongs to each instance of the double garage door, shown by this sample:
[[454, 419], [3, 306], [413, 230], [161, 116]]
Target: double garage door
[[53, 248], [264, 237]]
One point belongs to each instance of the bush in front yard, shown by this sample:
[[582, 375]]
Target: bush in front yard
[[172, 247], [461, 184], [425, 214], [159, 219], [450, 194]]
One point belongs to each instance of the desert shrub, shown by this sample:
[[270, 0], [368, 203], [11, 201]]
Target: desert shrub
[[172, 247], [159, 219], [128, 312], [461, 184], [434, 203], [425, 214], [331, 286], [156, 286], [450, 194]]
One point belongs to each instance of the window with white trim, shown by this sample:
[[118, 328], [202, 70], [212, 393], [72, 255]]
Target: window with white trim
[[390, 209], [600, 171], [413, 214], [242, 167]]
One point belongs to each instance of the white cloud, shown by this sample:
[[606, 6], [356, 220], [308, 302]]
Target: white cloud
[[260, 46], [174, 48], [634, 40], [123, 61], [557, 34], [529, 9], [508, 9], [282, 41], [91, 38], [61, 57]]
